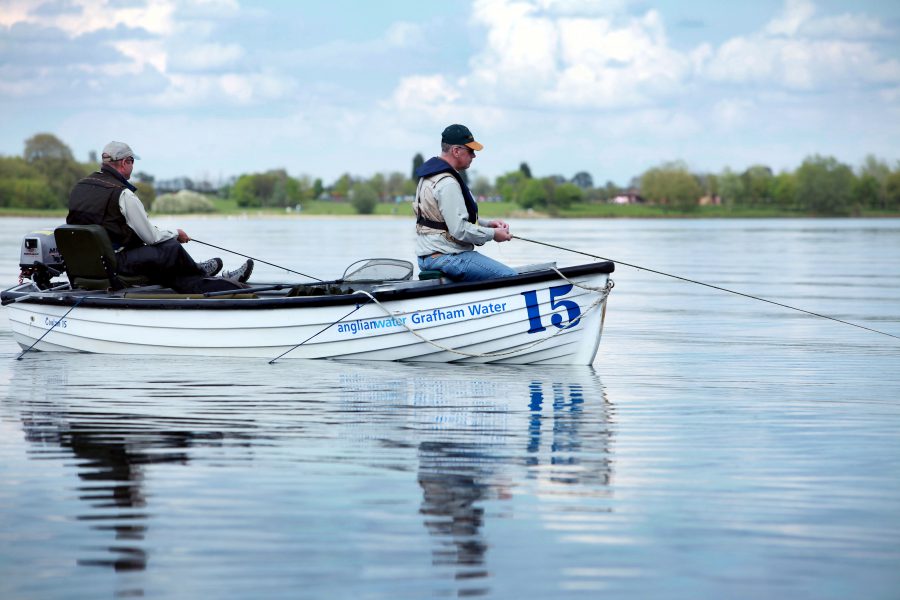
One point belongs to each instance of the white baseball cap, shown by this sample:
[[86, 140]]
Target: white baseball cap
[[118, 151]]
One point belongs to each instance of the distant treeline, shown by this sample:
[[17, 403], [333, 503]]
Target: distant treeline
[[43, 176], [822, 185]]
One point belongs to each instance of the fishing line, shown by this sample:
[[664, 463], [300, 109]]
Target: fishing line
[[55, 323], [709, 285], [358, 306], [256, 259]]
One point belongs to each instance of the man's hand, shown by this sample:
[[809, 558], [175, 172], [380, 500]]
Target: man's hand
[[502, 234], [498, 223], [183, 237]]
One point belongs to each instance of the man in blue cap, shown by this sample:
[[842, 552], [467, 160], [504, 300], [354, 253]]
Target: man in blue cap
[[447, 223]]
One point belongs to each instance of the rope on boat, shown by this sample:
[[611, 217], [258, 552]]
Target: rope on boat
[[603, 291]]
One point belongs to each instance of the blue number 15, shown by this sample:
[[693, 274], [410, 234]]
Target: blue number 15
[[573, 312]]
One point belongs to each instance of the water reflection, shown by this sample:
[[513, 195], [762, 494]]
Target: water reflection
[[558, 412], [64, 415], [454, 480], [476, 431], [471, 437], [113, 451]]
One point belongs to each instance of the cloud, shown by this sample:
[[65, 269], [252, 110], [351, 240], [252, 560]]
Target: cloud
[[207, 57], [94, 45], [521, 50], [142, 53], [400, 40], [799, 51], [800, 64], [219, 90], [548, 55], [607, 66], [791, 19], [731, 113], [564, 55], [584, 8], [404, 35], [13, 85], [88, 16], [422, 92], [798, 19], [847, 27], [15, 11]]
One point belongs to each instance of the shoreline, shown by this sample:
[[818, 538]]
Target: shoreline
[[27, 214], [490, 210]]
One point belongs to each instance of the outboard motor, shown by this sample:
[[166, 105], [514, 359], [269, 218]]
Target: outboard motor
[[40, 260]]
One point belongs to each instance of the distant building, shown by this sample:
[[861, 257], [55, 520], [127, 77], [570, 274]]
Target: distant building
[[629, 197], [171, 186]]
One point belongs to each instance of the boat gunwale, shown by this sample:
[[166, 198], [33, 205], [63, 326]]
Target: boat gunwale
[[70, 297]]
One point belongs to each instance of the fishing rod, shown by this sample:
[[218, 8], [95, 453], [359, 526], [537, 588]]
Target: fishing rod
[[709, 285], [52, 327], [358, 306], [256, 259]]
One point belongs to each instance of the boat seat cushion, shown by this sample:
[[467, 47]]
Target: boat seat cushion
[[88, 283], [90, 260], [430, 274]]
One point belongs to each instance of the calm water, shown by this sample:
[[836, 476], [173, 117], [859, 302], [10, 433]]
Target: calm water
[[718, 448]]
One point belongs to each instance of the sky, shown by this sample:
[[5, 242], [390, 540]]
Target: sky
[[211, 89]]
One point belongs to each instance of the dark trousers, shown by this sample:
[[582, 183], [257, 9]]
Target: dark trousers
[[168, 263]]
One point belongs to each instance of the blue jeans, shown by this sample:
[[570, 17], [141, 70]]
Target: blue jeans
[[466, 266]]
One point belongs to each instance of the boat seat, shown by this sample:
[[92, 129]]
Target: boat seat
[[431, 274], [90, 260]]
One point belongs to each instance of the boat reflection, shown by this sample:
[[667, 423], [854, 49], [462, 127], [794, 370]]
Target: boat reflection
[[472, 450], [113, 451], [474, 437], [115, 444], [455, 479]]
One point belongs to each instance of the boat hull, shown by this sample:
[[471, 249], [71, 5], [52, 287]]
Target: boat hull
[[549, 319]]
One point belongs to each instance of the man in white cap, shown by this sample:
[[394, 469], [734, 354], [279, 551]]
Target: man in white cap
[[447, 223], [106, 198]]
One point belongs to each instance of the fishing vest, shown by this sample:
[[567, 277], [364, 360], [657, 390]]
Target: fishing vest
[[95, 201], [429, 219]]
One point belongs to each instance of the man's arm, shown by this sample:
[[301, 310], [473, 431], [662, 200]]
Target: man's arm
[[136, 217]]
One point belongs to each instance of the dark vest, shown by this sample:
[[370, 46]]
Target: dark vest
[[95, 201], [433, 166]]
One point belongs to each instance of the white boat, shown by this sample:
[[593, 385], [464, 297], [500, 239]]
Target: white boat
[[543, 315]]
